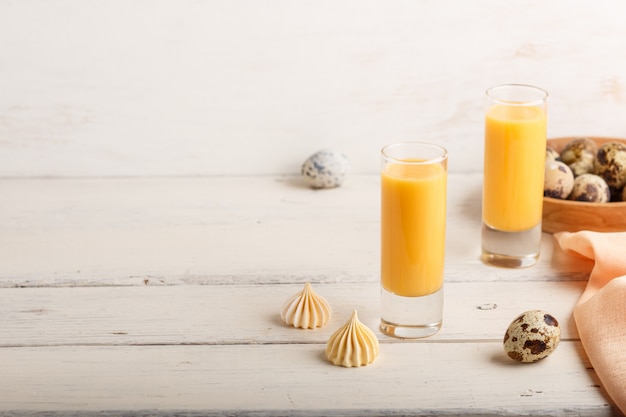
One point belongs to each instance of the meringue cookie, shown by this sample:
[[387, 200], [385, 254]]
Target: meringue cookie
[[306, 310], [354, 344]]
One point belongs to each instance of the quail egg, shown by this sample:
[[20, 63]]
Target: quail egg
[[325, 169], [579, 154], [590, 188], [532, 336], [558, 180], [552, 154], [610, 164]]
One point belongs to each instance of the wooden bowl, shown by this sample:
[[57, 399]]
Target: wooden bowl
[[573, 216]]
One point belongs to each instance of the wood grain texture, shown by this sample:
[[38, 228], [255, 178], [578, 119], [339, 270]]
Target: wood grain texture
[[225, 230], [250, 314], [161, 296], [240, 87], [152, 220], [296, 379]]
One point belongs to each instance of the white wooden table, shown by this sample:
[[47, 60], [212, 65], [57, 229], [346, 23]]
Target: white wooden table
[[152, 222], [161, 296]]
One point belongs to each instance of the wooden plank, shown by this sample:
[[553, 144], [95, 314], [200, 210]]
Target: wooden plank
[[222, 230], [189, 87], [243, 314], [407, 378], [119, 331]]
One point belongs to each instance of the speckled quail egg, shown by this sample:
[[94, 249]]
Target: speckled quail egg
[[579, 154], [325, 169], [558, 180], [610, 164], [590, 188], [552, 154], [532, 336]]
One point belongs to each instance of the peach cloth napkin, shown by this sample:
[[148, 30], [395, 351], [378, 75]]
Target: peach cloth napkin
[[600, 314]]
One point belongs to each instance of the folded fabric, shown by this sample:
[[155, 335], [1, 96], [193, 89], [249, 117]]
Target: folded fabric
[[600, 313]]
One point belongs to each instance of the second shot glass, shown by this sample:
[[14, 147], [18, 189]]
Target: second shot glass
[[515, 149]]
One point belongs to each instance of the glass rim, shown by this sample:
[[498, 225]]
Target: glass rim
[[425, 161], [543, 95]]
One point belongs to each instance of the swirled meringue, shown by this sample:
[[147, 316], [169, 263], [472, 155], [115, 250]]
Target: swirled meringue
[[353, 344], [306, 310]]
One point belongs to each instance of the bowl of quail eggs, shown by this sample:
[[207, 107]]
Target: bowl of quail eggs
[[585, 185]]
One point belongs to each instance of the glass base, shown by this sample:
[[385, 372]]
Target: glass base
[[411, 317], [510, 249]]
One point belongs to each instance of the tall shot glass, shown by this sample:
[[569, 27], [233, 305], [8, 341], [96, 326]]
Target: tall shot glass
[[413, 231], [515, 149]]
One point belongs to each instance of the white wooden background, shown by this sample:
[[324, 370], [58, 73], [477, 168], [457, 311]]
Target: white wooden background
[[226, 87], [152, 220]]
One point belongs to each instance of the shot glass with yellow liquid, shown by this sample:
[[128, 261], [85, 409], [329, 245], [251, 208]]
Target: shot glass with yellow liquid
[[413, 231], [515, 149]]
